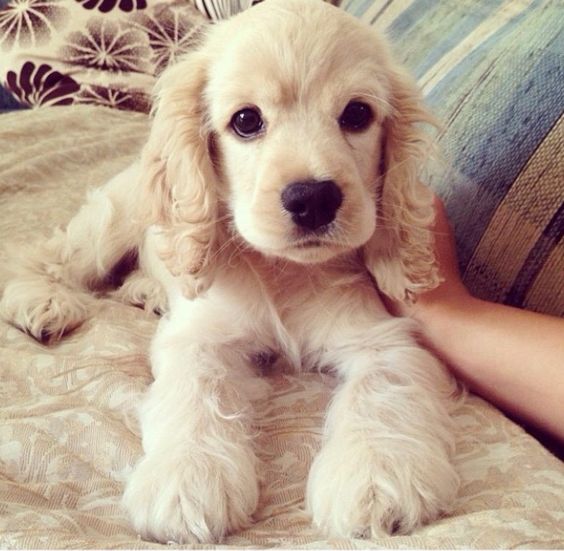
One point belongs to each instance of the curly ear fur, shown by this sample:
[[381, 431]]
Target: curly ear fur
[[400, 253], [178, 177]]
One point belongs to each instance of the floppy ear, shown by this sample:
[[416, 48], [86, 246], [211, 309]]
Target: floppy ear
[[400, 253], [178, 178]]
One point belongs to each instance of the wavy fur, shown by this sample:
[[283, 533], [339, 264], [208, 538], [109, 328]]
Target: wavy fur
[[400, 253]]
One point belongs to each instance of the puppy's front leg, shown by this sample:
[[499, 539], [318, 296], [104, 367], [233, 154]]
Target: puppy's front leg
[[385, 466], [197, 481]]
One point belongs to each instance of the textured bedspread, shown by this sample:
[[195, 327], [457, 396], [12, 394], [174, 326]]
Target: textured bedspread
[[68, 433]]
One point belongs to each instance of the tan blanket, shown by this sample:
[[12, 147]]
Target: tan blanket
[[68, 433]]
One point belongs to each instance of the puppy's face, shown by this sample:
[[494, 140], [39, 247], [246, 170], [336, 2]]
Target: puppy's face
[[296, 98]]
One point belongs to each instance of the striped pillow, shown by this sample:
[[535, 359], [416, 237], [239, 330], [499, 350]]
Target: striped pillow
[[222, 9], [494, 72]]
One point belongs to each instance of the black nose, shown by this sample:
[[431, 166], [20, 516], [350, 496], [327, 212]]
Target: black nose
[[312, 204]]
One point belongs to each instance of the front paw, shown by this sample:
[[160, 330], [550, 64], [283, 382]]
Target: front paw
[[357, 489], [196, 498]]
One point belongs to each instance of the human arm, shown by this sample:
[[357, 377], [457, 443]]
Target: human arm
[[512, 357]]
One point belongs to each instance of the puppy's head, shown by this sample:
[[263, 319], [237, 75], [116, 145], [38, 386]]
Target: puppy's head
[[292, 122]]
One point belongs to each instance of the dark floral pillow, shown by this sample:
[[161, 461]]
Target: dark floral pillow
[[106, 52]]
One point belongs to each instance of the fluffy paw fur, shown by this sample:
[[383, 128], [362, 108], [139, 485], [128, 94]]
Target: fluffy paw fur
[[194, 498], [357, 490], [144, 292], [44, 309]]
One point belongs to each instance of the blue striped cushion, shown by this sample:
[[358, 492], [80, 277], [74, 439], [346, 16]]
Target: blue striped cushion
[[494, 72]]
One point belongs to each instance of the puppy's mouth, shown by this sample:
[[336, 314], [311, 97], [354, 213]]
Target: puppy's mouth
[[310, 244], [311, 250], [325, 236]]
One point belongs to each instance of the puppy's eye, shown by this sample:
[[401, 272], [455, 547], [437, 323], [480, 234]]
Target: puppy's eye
[[356, 117], [247, 122]]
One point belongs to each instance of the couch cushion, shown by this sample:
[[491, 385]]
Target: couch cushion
[[493, 71], [69, 435], [104, 52]]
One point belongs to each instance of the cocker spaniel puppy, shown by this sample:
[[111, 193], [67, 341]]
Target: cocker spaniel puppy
[[278, 183]]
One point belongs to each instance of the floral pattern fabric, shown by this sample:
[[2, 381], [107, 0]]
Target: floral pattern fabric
[[106, 52]]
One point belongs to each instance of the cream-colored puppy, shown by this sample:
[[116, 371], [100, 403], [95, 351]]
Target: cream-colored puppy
[[278, 182]]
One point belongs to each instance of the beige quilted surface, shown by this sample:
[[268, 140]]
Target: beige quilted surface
[[68, 435]]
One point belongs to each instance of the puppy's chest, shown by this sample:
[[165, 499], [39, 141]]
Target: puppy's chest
[[293, 290], [300, 303]]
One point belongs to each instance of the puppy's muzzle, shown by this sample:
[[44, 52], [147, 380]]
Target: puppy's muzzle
[[312, 204]]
